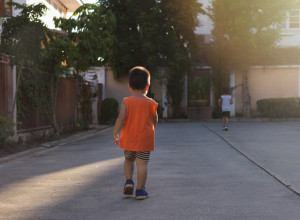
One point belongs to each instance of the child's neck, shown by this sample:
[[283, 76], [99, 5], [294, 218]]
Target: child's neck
[[139, 93]]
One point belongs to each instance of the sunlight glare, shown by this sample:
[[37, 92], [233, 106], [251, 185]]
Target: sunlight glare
[[51, 189]]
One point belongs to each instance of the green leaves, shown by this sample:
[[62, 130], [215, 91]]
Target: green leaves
[[23, 35], [245, 29], [244, 33], [90, 30], [32, 12], [279, 107], [152, 33]]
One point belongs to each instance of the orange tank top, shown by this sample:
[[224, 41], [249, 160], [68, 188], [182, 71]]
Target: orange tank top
[[138, 130]]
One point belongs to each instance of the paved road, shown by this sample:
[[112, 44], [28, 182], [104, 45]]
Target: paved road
[[197, 172]]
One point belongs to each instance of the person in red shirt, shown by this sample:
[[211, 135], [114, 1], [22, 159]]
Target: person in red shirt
[[137, 119]]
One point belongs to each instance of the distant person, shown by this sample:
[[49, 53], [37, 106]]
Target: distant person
[[137, 119], [225, 102]]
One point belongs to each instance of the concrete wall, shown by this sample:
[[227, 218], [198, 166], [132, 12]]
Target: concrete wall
[[116, 88], [269, 82], [50, 14]]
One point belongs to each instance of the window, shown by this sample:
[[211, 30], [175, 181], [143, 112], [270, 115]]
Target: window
[[5, 10], [293, 20]]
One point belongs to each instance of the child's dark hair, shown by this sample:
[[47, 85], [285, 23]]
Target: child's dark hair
[[226, 90], [139, 78]]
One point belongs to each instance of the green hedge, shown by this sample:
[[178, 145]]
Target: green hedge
[[6, 128], [109, 110], [279, 107]]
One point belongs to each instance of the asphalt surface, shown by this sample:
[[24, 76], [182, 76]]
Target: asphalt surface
[[196, 172]]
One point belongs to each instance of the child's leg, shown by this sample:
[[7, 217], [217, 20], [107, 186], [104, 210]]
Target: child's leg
[[224, 121], [142, 168], [129, 168], [142, 159]]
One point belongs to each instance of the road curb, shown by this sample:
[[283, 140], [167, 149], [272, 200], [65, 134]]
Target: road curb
[[64, 141], [76, 137], [233, 119]]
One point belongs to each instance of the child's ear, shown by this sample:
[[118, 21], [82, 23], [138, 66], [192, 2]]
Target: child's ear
[[130, 89], [147, 87]]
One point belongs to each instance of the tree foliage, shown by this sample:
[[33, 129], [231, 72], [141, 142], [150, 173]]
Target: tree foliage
[[22, 35], [246, 29], [38, 56], [155, 33], [90, 30], [243, 30]]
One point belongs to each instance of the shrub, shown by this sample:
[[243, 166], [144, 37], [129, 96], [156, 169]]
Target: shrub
[[109, 110], [279, 107], [6, 128]]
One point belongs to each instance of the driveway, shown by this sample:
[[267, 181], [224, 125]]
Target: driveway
[[197, 172]]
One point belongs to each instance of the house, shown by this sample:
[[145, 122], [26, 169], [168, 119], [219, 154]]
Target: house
[[55, 9], [278, 81]]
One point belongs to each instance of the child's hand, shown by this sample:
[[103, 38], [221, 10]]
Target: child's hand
[[116, 139]]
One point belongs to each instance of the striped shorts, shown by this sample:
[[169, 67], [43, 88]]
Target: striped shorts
[[137, 154]]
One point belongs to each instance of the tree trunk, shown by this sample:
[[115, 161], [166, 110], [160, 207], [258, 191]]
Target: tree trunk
[[16, 93], [246, 96]]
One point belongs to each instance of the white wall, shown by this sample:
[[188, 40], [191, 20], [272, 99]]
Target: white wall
[[290, 38], [48, 18], [205, 22]]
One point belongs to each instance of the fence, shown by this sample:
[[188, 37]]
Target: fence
[[32, 118], [35, 120], [6, 86]]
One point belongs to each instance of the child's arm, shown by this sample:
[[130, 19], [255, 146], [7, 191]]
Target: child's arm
[[119, 123], [155, 118], [231, 101], [220, 102]]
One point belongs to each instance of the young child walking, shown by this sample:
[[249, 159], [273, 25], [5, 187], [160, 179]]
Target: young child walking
[[137, 119], [225, 101]]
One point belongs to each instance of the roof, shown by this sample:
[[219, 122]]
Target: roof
[[71, 5]]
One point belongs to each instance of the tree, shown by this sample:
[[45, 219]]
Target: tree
[[155, 33], [52, 59], [35, 50], [90, 30], [244, 30], [22, 37]]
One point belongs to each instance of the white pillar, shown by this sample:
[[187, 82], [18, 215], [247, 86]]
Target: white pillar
[[95, 103], [101, 80], [211, 89], [186, 92], [232, 85], [299, 82], [164, 98]]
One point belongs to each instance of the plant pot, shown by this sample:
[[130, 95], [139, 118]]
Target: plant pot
[[198, 102]]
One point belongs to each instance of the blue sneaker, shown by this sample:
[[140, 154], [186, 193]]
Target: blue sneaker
[[128, 187], [141, 194]]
